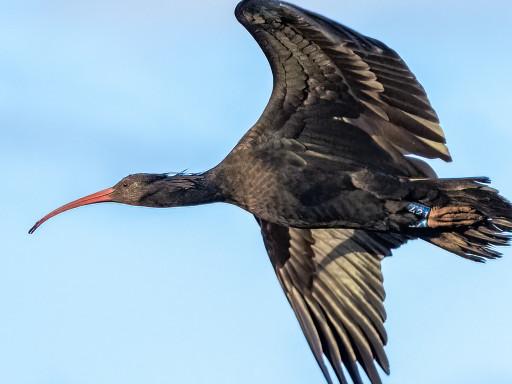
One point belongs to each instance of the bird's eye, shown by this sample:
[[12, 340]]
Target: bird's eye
[[125, 185]]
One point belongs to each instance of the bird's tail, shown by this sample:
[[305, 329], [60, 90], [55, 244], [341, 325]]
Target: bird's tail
[[488, 221]]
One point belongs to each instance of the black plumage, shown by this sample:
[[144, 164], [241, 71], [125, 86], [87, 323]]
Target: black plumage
[[327, 171]]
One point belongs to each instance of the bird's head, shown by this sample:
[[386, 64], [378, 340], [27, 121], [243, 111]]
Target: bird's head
[[136, 189], [132, 190]]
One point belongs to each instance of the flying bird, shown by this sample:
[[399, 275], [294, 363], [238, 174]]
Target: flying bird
[[332, 173]]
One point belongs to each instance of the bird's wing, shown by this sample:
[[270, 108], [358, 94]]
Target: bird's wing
[[330, 81], [333, 281]]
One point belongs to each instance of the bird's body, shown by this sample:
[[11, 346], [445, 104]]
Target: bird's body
[[281, 184], [327, 173]]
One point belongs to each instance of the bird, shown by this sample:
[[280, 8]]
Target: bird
[[334, 174]]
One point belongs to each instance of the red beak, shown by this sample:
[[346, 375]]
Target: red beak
[[104, 196]]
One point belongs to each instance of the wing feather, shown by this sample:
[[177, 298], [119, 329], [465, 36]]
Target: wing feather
[[321, 67], [334, 283], [307, 324], [340, 99]]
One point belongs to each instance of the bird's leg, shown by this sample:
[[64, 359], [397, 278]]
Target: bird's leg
[[422, 212], [443, 217]]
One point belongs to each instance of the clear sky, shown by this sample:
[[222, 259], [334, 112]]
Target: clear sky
[[91, 91]]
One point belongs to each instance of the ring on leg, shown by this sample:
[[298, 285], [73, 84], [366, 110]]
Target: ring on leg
[[422, 211]]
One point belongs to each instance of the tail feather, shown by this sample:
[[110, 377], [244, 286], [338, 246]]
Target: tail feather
[[477, 241]]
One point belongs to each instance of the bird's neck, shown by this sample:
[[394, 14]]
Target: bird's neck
[[183, 190]]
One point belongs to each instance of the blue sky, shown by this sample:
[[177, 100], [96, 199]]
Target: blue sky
[[91, 91]]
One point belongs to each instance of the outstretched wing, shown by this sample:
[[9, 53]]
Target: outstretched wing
[[337, 92], [338, 97], [333, 281]]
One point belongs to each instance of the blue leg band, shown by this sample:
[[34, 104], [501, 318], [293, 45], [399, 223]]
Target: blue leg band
[[422, 212]]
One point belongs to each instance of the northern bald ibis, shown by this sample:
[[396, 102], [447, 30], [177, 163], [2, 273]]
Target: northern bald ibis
[[327, 171]]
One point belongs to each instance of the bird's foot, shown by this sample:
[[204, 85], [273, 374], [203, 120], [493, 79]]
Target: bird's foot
[[443, 217], [453, 216]]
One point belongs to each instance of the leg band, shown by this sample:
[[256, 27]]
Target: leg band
[[422, 212]]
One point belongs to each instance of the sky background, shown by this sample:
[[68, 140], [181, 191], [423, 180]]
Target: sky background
[[91, 91]]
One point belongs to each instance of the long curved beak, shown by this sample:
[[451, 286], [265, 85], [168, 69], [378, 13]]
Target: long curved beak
[[104, 196]]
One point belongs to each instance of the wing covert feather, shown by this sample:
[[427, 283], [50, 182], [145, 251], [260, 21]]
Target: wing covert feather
[[321, 65]]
